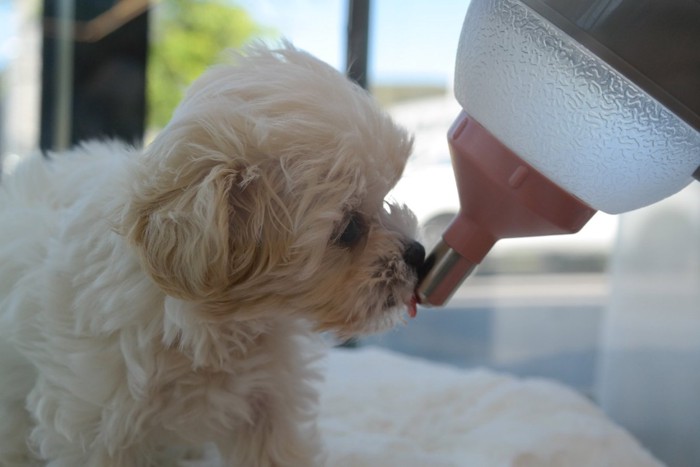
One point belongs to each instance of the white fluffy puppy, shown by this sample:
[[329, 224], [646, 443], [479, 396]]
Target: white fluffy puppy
[[162, 299]]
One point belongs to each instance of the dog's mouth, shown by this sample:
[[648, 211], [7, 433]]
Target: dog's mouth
[[411, 304]]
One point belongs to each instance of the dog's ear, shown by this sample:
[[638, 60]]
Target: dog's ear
[[198, 238]]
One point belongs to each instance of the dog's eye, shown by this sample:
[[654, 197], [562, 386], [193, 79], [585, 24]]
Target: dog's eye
[[353, 231]]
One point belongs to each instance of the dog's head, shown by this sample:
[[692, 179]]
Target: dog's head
[[265, 193]]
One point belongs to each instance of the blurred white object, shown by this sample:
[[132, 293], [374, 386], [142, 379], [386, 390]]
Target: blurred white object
[[428, 183]]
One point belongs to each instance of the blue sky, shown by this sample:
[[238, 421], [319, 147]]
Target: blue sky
[[7, 31], [413, 40]]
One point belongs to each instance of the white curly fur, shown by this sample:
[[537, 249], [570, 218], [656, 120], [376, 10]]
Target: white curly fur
[[153, 301]]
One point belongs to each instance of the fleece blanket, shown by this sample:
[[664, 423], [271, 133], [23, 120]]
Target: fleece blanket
[[381, 409]]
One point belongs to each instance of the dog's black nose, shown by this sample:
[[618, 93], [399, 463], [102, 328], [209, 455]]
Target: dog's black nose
[[414, 255]]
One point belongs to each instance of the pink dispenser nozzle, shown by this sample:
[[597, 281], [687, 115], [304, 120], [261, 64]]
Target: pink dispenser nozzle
[[500, 196]]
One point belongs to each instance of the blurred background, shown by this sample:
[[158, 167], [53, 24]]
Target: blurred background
[[613, 311]]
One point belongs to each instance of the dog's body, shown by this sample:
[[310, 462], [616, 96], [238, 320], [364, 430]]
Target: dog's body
[[156, 300]]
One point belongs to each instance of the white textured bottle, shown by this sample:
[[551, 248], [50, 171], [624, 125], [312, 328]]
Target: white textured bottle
[[569, 113]]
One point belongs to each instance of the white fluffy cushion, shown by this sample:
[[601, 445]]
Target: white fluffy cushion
[[382, 409]]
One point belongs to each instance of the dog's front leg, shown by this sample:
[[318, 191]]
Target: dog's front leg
[[279, 435]]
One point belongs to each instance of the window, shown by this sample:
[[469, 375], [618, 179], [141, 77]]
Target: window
[[611, 311]]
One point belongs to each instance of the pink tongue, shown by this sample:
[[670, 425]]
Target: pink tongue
[[412, 306]]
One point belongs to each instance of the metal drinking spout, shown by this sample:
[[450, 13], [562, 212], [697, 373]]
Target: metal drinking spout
[[445, 270]]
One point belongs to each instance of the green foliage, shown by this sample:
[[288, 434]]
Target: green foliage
[[188, 36]]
